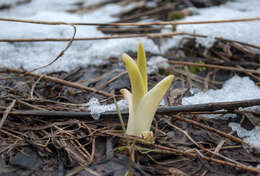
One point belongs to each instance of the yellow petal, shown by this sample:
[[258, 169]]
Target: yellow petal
[[141, 63], [130, 124], [149, 104], [137, 83]]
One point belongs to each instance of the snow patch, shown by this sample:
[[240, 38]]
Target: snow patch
[[235, 89], [81, 54], [156, 63], [244, 31], [252, 136], [96, 108]]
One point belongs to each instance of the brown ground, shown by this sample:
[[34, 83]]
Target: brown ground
[[36, 144]]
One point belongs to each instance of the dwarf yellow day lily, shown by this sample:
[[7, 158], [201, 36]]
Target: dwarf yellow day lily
[[142, 104]]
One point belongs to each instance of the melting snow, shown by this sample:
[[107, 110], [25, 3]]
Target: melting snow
[[155, 63], [96, 108], [82, 53], [235, 89], [252, 136], [245, 31]]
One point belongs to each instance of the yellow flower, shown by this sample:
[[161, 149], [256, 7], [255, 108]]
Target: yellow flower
[[142, 104]]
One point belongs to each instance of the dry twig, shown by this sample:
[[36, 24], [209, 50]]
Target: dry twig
[[6, 112], [60, 81], [61, 53], [232, 138], [162, 110], [214, 66], [131, 24]]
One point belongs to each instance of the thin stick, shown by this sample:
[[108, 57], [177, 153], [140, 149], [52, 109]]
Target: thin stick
[[130, 24], [60, 81], [201, 146], [111, 80], [233, 138], [242, 43], [225, 163], [188, 154], [61, 53], [139, 140], [121, 121], [6, 112], [34, 85], [162, 110], [119, 115], [214, 66], [150, 35]]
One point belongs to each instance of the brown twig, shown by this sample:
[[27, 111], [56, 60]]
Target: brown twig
[[139, 140], [31, 106], [34, 85], [235, 41], [201, 146], [150, 35], [186, 153], [130, 24], [162, 110], [225, 163], [111, 80], [60, 81], [233, 138], [194, 77], [61, 53], [6, 112], [130, 29], [214, 66]]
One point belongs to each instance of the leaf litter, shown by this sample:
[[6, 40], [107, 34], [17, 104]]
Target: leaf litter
[[186, 143]]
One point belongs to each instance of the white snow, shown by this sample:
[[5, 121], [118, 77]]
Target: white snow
[[155, 63], [96, 108], [235, 89], [252, 136], [243, 31], [82, 53]]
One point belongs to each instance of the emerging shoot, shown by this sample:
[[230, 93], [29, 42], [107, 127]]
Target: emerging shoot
[[142, 104]]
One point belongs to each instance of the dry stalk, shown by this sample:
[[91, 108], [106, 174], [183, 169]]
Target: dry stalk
[[225, 163], [215, 67], [5, 114], [63, 82], [202, 147], [130, 24], [232, 138], [188, 154], [198, 108], [61, 53], [150, 35]]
